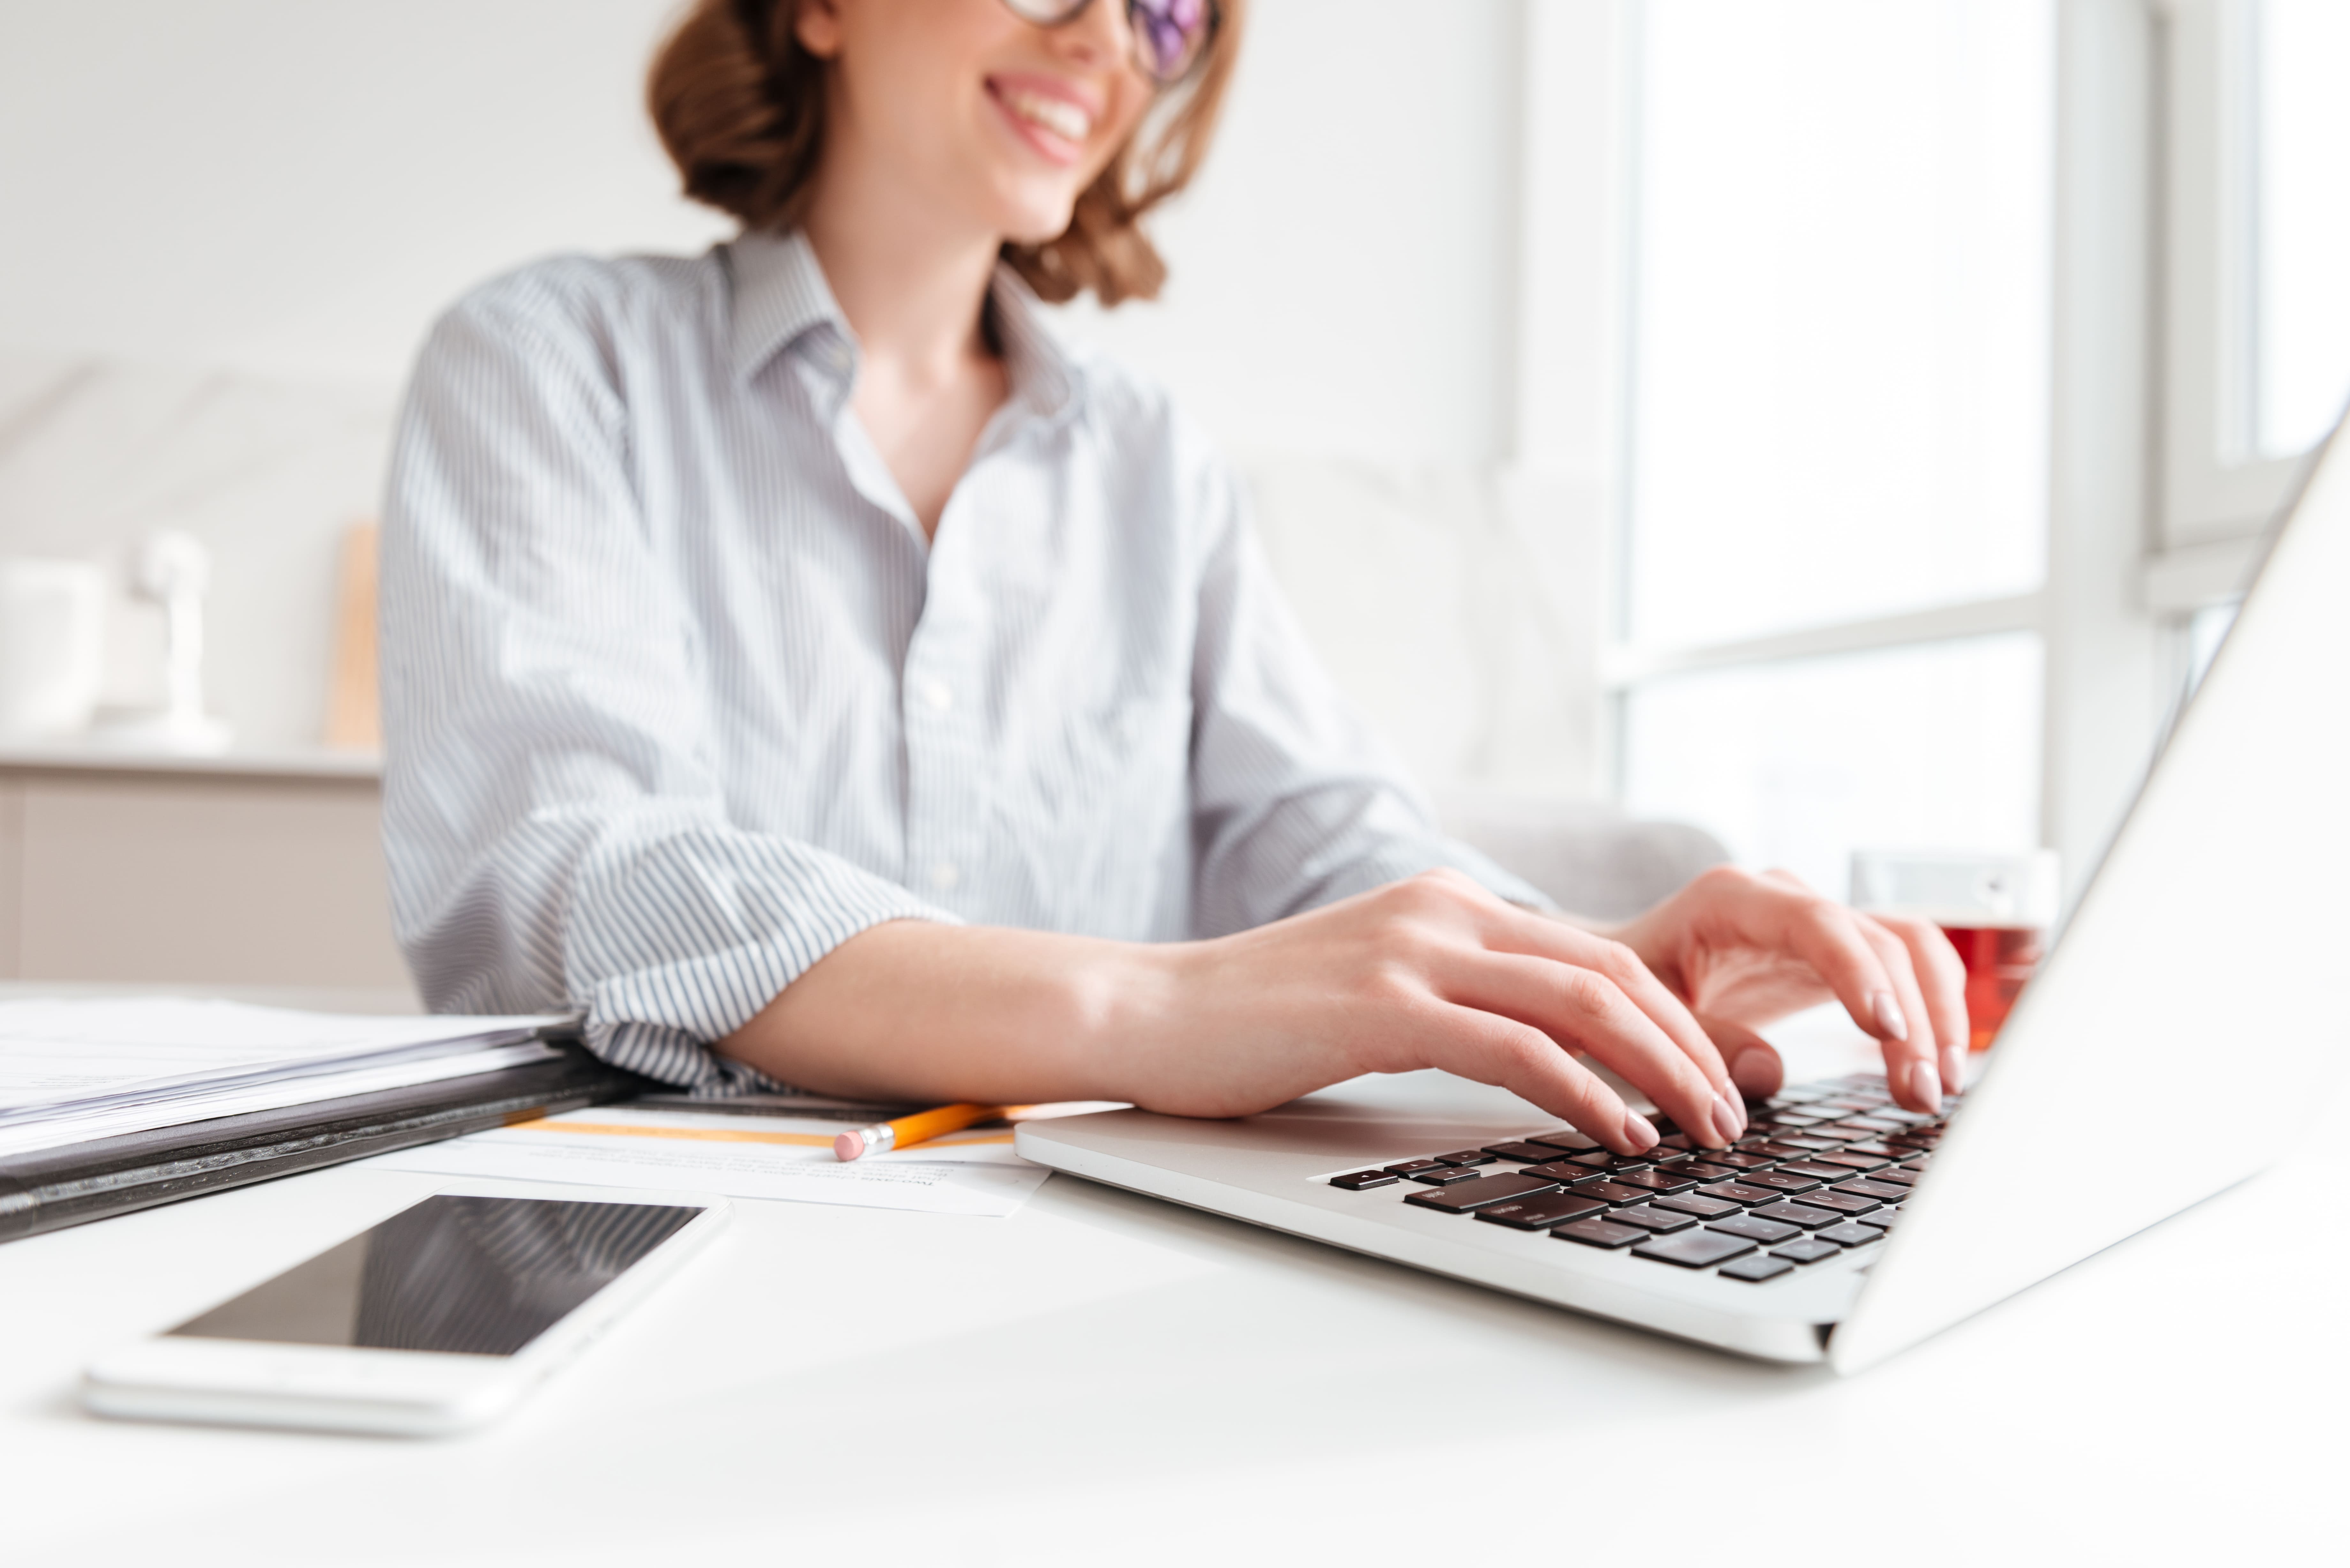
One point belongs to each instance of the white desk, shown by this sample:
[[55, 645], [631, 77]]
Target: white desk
[[1104, 1379]]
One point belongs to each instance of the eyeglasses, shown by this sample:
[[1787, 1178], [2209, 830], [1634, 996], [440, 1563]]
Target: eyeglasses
[[1169, 35]]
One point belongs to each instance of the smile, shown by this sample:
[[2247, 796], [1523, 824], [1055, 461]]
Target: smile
[[1057, 118]]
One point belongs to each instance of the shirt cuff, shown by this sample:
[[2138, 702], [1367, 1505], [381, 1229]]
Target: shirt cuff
[[660, 1020]]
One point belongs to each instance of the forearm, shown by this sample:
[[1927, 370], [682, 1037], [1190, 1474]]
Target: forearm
[[918, 1011]]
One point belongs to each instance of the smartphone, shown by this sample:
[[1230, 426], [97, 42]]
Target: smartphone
[[437, 1320]]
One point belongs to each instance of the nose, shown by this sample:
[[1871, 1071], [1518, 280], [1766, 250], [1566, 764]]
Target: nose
[[1097, 36]]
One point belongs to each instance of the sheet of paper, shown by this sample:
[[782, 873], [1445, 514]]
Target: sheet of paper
[[56, 1051], [778, 1157]]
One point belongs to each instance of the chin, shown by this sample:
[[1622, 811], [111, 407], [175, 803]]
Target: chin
[[1031, 217]]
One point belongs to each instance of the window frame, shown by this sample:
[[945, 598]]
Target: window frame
[[2111, 651]]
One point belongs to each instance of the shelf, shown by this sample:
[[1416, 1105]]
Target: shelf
[[286, 762]]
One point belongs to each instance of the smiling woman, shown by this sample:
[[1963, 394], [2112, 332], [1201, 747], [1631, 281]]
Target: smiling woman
[[740, 99], [799, 660]]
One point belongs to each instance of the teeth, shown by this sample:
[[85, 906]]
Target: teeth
[[1058, 115]]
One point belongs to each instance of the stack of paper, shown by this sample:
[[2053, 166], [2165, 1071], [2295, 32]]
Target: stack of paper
[[71, 1070]]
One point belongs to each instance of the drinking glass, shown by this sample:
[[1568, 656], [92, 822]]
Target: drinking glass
[[1995, 908]]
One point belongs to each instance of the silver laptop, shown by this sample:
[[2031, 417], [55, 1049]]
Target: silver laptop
[[2207, 954]]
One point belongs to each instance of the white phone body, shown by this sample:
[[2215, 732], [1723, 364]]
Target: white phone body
[[341, 1387]]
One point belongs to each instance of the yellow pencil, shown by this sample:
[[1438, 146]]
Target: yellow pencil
[[883, 1137]]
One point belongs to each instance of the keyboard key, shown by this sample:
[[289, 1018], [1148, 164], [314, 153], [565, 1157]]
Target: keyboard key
[[1463, 1196], [1411, 1167], [1798, 1118], [1881, 1150], [1736, 1160], [1804, 1145], [1756, 1269], [1363, 1180], [1764, 1230], [1698, 1250], [1681, 1142], [1842, 1202], [1696, 1203], [1532, 1153], [1598, 1232], [1559, 1171], [1807, 1250], [1814, 1170], [1778, 1181], [1851, 1161], [1541, 1213], [1466, 1157], [1655, 1181], [1611, 1163], [1649, 1217], [1897, 1175], [1741, 1192], [1802, 1214], [1771, 1150], [1706, 1171], [1608, 1191], [1565, 1138], [1851, 1233], [1443, 1175], [1868, 1186]]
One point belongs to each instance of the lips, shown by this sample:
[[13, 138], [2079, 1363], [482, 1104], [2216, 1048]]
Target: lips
[[1047, 115]]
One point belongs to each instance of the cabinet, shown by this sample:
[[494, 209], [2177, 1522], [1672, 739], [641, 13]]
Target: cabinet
[[258, 870]]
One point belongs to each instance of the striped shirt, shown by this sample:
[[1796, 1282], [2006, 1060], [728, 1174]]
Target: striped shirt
[[677, 697]]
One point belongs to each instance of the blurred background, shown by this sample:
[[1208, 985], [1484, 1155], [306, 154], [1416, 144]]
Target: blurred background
[[1831, 425]]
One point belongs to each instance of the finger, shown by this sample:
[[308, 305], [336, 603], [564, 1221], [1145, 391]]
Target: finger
[[1943, 978], [1754, 1062], [1517, 931], [1584, 1010], [1776, 912], [1492, 1049], [1910, 1070]]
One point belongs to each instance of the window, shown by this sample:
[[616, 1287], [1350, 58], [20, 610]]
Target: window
[[2256, 245], [1836, 476]]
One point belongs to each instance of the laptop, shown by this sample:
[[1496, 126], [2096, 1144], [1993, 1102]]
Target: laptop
[[2206, 954]]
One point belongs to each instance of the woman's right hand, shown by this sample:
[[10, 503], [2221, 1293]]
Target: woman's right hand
[[1433, 972]]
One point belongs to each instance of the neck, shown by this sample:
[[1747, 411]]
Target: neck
[[913, 286]]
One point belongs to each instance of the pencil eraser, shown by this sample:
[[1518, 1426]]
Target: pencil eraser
[[848, 1146]]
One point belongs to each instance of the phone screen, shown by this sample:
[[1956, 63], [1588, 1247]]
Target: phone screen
[[466, 1276]]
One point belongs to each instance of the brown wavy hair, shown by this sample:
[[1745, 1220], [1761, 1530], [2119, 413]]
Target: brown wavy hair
[[740, 105]]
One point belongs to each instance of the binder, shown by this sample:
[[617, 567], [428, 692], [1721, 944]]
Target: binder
[[51, 1188]]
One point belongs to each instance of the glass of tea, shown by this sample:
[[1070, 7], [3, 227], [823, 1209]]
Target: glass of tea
[[1995, 908]]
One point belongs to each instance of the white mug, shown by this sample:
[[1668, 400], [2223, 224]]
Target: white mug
[[52, 646]]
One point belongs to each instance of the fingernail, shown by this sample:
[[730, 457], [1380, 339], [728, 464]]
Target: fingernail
[[1727, 1123], [1954, 1067], [1638, 1133], [1926, 1085], [1888, 1016], [1754, 1072]]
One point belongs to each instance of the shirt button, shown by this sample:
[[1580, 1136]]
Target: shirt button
[[944, 876], [938, 694]]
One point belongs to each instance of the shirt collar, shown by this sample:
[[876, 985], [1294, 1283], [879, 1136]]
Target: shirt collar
[[781, 299]]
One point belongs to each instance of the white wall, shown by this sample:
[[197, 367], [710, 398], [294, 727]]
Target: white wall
[[290, 188]]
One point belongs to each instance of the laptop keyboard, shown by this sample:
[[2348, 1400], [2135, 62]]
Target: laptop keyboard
[[1823, 1169]]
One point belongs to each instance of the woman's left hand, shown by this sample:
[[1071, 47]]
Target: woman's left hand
[[1741, 949]]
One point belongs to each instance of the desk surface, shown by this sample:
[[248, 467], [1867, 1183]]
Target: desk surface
[[1106, 1378]]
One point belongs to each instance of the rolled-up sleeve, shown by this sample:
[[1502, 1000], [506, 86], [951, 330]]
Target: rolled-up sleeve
[[555, 828], [1296, 803]]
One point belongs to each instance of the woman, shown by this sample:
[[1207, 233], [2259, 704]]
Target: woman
[[800, 661]]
